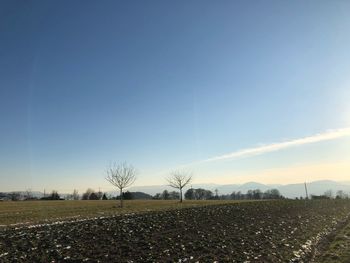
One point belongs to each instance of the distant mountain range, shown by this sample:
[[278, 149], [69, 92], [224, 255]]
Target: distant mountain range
[[288, 190]]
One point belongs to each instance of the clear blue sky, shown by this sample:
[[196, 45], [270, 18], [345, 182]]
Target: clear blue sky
[[165, 83]]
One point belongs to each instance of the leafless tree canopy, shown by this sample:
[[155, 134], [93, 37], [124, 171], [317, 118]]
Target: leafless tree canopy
[[75, 194], [179, 179], [121, 175]]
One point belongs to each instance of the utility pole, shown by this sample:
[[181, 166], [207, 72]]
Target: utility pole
[[307, 196]]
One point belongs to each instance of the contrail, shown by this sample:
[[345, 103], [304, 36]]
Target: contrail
[[325, 136]]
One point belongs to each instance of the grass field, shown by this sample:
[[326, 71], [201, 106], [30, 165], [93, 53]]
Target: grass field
[[29, 212]]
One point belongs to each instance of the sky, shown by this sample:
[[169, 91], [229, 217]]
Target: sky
[[233, 91]]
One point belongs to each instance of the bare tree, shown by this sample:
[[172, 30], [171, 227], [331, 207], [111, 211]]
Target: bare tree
[[54, 195], [86, 195], [179, 179], [15, 196], [121, 175], [328, 194], [28, 194], [75, 195]]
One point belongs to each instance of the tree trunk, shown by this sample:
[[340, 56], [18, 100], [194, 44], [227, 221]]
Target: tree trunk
[[180, 195], [121, 197]]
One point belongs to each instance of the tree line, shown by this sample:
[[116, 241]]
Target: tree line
[[256, 194], [340, 194], [190, 194]]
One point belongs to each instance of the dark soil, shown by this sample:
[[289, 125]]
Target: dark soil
[[247, 232]]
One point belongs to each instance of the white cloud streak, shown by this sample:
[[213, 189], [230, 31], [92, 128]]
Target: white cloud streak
[[325, 136]]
